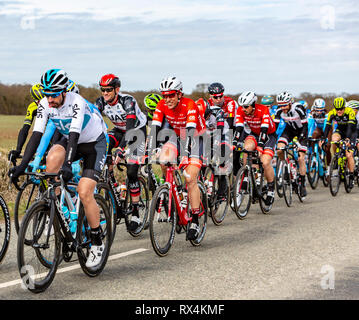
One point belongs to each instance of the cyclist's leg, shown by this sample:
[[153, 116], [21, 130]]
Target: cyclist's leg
[[56, 156], [283, 141], [266, 159]]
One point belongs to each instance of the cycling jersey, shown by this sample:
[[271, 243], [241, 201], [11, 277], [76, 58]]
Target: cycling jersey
[[229, 106], [259, 121], [75, 115], [184, 116], [30, 113], [346, 123], [125, 108], [294, 118], [316, 120], [213, 115]]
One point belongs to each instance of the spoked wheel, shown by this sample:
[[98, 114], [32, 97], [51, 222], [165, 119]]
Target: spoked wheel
[[279, 178], [5, 228], [347, 187], [263, 192], [84, 240], [313, 170], [162, 222], [334, 176], [287, 184], [38, 260], [202, 219], [242, 191]]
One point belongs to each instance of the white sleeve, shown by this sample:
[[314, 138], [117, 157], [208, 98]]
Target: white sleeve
[[41, 118], [78, 114]]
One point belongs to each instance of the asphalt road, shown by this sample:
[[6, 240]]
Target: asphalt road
[[308, 251]]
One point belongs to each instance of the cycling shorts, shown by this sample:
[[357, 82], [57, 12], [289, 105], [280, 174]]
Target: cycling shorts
[[288, 136]]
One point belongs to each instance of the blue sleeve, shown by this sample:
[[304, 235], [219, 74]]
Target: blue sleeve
[[44, 143], [311, 126]]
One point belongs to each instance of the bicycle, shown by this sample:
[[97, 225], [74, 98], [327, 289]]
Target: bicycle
[[5, 228], [254, 189], [338, 170], [170, 207], [317, 166], [45, 237], [288, 174], [118, 198], [218, 206]]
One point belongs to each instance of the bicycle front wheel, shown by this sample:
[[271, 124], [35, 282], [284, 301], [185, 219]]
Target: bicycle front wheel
[[313, 171], [287, 184], [242, 191], [5, 228], [334, 176], [35, 274], [162, 221]]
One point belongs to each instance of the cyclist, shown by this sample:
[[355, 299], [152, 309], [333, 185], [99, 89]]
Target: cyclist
[[84, 135], [151, 101], [72, 87], [262, 135], [269, 102], [36, 94], [294, 115], [187, 125], [129, 130], [217, 98], [344, 117]]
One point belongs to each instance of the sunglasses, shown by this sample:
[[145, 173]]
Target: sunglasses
[[340, 109], [170, 96], [246, 107], [107, 89], [52, 95], [217, 97]]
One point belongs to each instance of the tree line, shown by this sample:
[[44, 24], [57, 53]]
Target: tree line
[[15, 98]]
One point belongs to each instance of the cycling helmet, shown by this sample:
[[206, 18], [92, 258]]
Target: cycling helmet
[[247, 98], [151, 101], [54, 81], [170, 84], [36, 92], [339, 103], [284, 99], [267, 100], [72, 87], [318, 104], [354, 104], [303, 103], [110, 80], [215, 88]]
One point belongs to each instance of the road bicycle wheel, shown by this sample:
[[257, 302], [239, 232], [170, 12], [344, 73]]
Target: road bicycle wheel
[[28, 194], [5, 228], [143, 205], [347, 187], [162, 222], [35, 274], [106, 192], [313, 170], [279, 178], [242, 190], [287, 184], [262, 190], [334, 176], [202, 218], [83, 237]]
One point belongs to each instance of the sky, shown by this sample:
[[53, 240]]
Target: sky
[[259, 45]]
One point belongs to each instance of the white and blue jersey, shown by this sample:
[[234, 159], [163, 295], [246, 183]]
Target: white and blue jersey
[[316, 120]]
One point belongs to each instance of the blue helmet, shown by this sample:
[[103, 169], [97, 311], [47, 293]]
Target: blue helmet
[[304, 103], [267, 100], [72, 87], [54, 81]]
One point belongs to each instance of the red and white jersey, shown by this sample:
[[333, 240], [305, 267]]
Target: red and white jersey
[[259, 119], [229, 106], [185, 115]]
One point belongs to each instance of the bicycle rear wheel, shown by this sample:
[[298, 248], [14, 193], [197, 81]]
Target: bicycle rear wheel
[[35, 274], [334, 176], [5, 228], [202, 218], [242, 191], [84, 240], [162, 222]]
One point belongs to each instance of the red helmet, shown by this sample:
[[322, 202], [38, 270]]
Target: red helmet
[[110, 80]]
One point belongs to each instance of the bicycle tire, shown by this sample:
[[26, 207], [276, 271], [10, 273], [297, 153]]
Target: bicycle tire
[[202, 218], [26, 268], [106, 192], [5, 228], [240, 194], [313, 170], [287, 184], [264, 207], [278, 176], [347, 187], [83, 237], [334, 173], [160, 218], [19, 209], [219, 209]]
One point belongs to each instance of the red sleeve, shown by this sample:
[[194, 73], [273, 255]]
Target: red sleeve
[[158, 114]]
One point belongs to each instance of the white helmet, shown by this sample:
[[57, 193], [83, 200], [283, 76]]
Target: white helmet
[[318, 104], [247, 98], [284, 98], [170, 84]]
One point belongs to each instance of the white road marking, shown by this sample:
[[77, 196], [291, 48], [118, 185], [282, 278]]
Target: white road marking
[[77, 266]]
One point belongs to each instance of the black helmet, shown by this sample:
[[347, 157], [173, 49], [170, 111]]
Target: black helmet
[[215, 88]]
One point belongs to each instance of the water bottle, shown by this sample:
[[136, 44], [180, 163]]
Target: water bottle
[[184, 200], [73, 222], [123, 191], [293, 169], [66, 213]]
